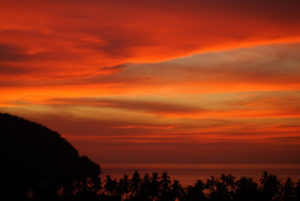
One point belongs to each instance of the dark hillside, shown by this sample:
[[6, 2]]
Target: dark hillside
[[33, 155]]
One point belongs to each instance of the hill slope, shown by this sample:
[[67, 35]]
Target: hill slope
[[32, 154]]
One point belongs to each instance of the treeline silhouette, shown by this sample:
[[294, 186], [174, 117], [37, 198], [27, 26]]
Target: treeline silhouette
[[161, 188]]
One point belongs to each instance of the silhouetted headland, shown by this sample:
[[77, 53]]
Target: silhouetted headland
[[36, 159]]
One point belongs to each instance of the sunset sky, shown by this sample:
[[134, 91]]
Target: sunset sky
[[136, 81]]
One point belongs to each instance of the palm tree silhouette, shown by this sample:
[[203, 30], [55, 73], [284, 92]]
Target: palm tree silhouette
[[135, 183], [110, 186], [246, 190], [176, 190], [165, 187], [270, 187], [124, 186], [154, 186], [297, 190], [196, 192], [288, 191]]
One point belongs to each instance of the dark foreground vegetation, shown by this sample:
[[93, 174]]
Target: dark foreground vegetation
[[225, 188], [161, 188], [38, 165]]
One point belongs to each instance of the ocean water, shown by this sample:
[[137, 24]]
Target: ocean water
[[190, 173]]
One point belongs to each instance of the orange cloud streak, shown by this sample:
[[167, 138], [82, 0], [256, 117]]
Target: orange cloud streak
[[157, 76]]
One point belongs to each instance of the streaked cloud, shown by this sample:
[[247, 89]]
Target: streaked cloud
[[212, 80]]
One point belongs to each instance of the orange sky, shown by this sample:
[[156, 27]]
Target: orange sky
[[162, 81]]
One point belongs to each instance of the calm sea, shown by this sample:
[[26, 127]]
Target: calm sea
[[189, 173]]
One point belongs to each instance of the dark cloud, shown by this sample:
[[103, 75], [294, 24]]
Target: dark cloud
[[10, 56], [14, 70], [12, 53], [116, 44], [142, 105], [114, 68]]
